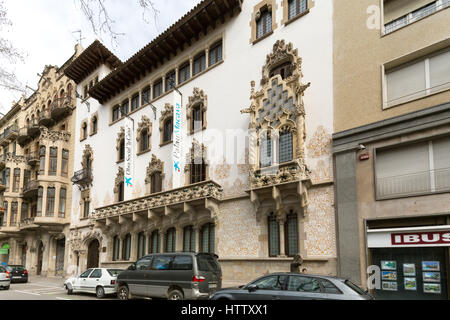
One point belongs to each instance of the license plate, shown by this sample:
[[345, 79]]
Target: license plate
[[17, 277], [213, 285]]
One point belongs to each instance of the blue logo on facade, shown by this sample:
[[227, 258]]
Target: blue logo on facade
[[128, 182], [176, 165]]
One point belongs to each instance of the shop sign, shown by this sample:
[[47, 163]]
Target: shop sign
[[437, 237], [4, 251]]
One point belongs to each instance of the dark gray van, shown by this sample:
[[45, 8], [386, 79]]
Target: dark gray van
[[175, 276]]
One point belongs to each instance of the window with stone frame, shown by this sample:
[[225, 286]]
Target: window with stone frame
[[170, 80], [141, 242], [120, 145], [189, 239], [65, 163], [264, 24], [286, 152], [166, 124], [84, 130], [94, 124], [116, 113], [207, 238], [144, 133], [215, 53], [119, 187], [53, 161], [154, 245], [16, 180], [157, 88], [170, 240], [265, 148], [168, 130], [296, 7], [62, 202], [24, 211], [274, 236], [50, 202], [126, 248], [146, 96], [135, 101], [199, 63], [291, 234], [184, 72], [6, 178], [156, 182], [39, 201], [196, 111], [42, 151], [125, 107], [154, 176], [86, 207], [196, 168], [116, 248], [14, 213], [284, 70]]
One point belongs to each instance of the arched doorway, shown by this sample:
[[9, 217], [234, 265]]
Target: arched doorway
[[93, 254], [40, 257], [60, 251]]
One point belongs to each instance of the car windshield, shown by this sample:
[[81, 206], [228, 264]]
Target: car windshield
[[17, 268], [207, 262], [114, 272], [355, 288]]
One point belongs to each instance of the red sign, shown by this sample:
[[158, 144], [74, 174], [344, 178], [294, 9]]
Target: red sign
[[365, 156], [437, 237]]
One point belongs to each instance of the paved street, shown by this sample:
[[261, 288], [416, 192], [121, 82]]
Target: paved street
[[40, 288]]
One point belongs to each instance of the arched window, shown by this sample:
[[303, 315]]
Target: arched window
[[84, 131], [94, 125], [116, 248], [291, 234], [168, 129], [170, 240], [144, 140], [274, 236], [284, 70], [69, 90], [286, 152], [207, 238], [141, 245], [154, 242], [126, 248], [189, 239], [156, 182]]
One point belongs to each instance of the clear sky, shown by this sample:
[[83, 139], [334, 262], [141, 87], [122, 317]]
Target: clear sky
[[43, 30]]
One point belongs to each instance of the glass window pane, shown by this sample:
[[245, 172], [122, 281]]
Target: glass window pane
[[406, 83]]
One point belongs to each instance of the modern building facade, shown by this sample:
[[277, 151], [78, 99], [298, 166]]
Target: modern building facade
[[37, 164], [257, 117], [392, 145]]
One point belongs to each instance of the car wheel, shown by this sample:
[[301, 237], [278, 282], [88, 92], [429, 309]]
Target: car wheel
[[123, 293], [6, 288], [175, 295], [69, 290], [100, 292]]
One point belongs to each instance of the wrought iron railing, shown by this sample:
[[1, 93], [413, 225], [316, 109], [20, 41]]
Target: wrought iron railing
[[82, 176], [31, 185], [415, 16], [414, 184], [62, 102]]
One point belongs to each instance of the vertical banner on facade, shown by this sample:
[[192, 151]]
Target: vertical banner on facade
[[129, 161], [177, 174]]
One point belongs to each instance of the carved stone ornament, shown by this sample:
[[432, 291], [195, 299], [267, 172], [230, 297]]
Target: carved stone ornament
[[54, 136], [155, 165], [119, 179], [15, 159], [88, 153], [120, 136], [144, 124], [199, 98], [197, 152], [165, 114]]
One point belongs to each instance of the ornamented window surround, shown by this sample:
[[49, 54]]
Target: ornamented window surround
[[120, 137], [119, 179], [272, 6], [82, 136], [156, 165], [166, 114], [85, 197], [94, 116], [285, 5], [196, 151], [199, 98], [144, 124]]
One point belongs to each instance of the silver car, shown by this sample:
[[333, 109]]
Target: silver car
[[5, 279], [294, 286]]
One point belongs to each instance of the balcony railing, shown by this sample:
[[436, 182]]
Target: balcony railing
[[433, 181], [33, 158], [9, 134], [33, 128], [45, 118], [291, 171], [30, 190], [62, 107], [23, 136], [82, 178], [416, 15]]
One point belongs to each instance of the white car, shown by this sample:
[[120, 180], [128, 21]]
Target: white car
[[101, 281], [5, 279]]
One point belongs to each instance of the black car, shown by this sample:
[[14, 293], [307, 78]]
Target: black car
[[294, 286], [17, 273], [174, 276]]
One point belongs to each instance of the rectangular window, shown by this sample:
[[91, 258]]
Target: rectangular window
[[199, 63], [125, 107], [265, 152], [50, 202], [116, 113], [16, 180], [53, 161], [14, 211], [26, 177], [24, 211], [418, 79], [297, 7], [86, 209], [264, 24], [274, 237], [145, 96], [189, 239], [5, 214], [198, 172], [184, 73], [39, 202], [170, 80], [197, 119], [135, 102], [291, 235], [62, 202], [155, 242], [414, 169], [215, 54], [7, 178], [156, 182], [157, 89], [65, 163], [42, 161]]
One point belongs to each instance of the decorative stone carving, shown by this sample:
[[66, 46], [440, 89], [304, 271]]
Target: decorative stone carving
[[166, 114], [155, 165], [88, 153], [144, 124], [54, 136], [15, 159], [199, 98], [320, 143], [119, 179], [120, 137]]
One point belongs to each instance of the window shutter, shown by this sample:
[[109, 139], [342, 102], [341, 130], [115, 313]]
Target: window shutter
[[406, 83], [440, 71]]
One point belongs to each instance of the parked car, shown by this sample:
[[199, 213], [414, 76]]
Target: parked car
[[101, 281], [5, 280], [18, 273], [295, 286], [175, 276]]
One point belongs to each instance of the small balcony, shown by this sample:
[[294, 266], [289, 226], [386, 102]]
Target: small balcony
[[9, 135], [49, 221], [82, 178], [45, 118], [28, 225], [62, 107], [33, 129], [23, 137], [33, 158], [30, 191]]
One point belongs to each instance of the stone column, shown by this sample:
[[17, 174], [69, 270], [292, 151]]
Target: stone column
[[162, 236], [282, 240], [46, 254], [191, 63], [196, 229], [121, 238], [206, 58], [109, 248], [179, 239], [134, 247]]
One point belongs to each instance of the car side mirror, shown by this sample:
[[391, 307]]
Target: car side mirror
[[132, 267], [252, 288]]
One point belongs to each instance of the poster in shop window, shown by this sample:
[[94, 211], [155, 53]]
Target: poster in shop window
[[388, 265], [409, 269], [431, 277], [389, 275], [389, 286], [410, 284], [432, 288], [431, 266]]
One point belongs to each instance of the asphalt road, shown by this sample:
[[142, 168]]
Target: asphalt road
[[43, 289]]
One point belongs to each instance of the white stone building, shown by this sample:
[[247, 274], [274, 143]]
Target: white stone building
[[263, 65]]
